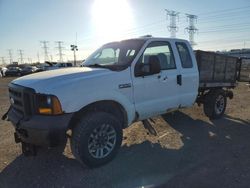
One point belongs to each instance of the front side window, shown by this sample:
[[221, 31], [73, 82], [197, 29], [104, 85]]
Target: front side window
[[164, 53], [184, 54]]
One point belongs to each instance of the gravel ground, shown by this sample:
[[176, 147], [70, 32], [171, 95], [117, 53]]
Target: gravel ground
[[182, 149]]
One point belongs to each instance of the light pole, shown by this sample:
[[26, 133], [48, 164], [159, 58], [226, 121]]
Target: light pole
[[74, 49]]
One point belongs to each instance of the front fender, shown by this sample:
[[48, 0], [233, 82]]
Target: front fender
[[74, 105]]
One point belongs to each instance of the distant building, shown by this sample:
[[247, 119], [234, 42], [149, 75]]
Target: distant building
[[245, 52]]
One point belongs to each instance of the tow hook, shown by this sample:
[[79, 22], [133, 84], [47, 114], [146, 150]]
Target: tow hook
[[29, 149]]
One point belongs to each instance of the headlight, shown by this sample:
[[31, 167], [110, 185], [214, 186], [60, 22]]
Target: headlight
[[48, 104]]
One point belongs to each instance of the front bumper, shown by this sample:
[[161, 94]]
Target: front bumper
[[40, 130]]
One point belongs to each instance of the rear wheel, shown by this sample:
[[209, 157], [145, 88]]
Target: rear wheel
[[215, 104], [96, 139]]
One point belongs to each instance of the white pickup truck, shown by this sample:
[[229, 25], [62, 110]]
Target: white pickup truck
[[120, 83]]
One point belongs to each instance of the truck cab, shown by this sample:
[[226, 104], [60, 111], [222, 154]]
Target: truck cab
[[120, 83], [174, 86]]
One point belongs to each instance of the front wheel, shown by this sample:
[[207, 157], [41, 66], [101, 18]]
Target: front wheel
[[96, 139], [215, 104]]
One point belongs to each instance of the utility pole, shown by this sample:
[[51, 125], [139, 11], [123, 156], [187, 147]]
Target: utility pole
[[10, 56], [191, 29], [59, 47], [74, 49], [30, 60], [45, 48], [21, 56], [38, 57], [172, 15], [3, 60]]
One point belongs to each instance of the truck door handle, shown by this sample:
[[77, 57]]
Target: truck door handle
[[179, 79]]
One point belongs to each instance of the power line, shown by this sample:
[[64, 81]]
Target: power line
[[230, 25], [172, 15], [60, 47], [45, 48], [223, 18], [228, 30], [191, 29], [224, 10], [146, 27], [224, 40], [213, 13]]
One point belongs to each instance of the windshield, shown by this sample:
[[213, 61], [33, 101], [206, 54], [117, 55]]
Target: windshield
[[116, 55]]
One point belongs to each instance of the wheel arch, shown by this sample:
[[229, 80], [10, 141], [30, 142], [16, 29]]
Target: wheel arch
[[109, 106]]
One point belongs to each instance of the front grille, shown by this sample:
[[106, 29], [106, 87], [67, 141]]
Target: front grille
[[22, 100]]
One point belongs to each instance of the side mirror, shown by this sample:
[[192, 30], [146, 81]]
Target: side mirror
[[152, 67]]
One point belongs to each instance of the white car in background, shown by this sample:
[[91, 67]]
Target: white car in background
[[2, 71]]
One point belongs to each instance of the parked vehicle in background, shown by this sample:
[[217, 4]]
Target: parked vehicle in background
[[61, 65], [13, 71], [28, 70], [120, 83], [58, 66], [39, 69]]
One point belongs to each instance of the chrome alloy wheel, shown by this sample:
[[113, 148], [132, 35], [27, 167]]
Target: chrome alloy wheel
[[219, 104], [102, 141]]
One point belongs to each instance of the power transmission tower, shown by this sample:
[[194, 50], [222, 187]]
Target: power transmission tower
[[60, 48], [172, 15], [30, 60], [3, 60], [21, 55], [10, 56], [45, 48], [191, 29]]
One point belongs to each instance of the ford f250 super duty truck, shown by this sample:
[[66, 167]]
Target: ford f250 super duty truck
[[120, 83]]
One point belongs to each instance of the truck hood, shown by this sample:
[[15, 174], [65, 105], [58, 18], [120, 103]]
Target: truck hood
[[55, 78]]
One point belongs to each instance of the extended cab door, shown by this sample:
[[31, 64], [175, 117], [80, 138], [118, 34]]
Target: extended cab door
[[189, 76], [155, 94]]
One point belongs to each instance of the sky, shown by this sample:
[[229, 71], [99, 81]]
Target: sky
[[221, 24]]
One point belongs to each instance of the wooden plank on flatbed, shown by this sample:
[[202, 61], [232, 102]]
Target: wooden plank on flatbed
[[216, 69]]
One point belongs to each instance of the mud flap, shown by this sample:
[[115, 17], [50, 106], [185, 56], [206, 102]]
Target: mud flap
[[5, 116]]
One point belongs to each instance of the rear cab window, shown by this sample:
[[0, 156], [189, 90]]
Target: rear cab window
[[184, 54]]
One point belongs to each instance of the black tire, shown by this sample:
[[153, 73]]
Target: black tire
[[83, 133], [215, 104]]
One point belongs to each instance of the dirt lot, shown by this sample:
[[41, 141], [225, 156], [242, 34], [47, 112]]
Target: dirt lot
[[183, 149]]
